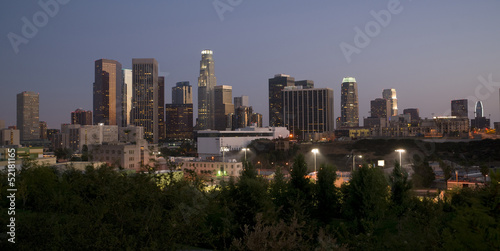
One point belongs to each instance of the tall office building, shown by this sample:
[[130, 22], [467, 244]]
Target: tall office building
[[276, 86], [390, 94], [182, 93], [28, 115], [108, 92], [179, 120], [179, 114], [479, 109], [43, 130], [414, 115], [161, 108], [145, 97], [206, 84], [306, 84], [223, 95], [349, 107], [459, 108], [308, 111], [381, 108], [81, 117], [479, 121], [241, 101], [127, 95]]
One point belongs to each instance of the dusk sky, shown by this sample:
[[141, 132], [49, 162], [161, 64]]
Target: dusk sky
[[430, 51]]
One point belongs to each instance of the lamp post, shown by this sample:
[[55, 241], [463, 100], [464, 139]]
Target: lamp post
[[400, 151], [456, 176], [315, 151], [223, 149], [354, 159], [245, 149]]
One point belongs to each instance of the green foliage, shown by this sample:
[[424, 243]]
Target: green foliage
[[367, 195], [400, 189], [423, 175], [327, 195]]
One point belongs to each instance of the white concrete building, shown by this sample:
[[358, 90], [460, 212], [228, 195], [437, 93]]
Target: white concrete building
[[210, 143], [9, 137], [128, 156]]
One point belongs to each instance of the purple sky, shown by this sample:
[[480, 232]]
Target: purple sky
[[430, 51]]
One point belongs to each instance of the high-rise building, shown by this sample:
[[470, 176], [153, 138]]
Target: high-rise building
[[145, 97], [43, 129], [179, 114], [479, 109], [276, 86], [480, 122], [242, 117], [306, 84], [381, 108], [108, 92], [161, 108], [223, 95], [127, 95], [179, 120], [256, 120], [241, 101], [81, 117], [349, 107], [28, 115], [2, 124], [308, 111], [459, 108], [390, 94], [206, 84], [182, 93], [414, 115]]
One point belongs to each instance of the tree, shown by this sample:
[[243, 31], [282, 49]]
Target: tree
[[446, 171], [327, 194], [484, 171], [367, 196], [400, 189], [423, 175]]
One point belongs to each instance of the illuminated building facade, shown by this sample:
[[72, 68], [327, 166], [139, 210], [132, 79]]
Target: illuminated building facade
[[108, 92], [206, 84], [349, 107], [81, 117], [28, 115], [390, 94], [276, 86]]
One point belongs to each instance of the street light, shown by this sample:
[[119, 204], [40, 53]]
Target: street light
[[315, 151], [354, 159], [223, 149], [245, 149], [400, 151]]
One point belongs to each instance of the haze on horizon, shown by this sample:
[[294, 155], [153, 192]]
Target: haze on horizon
[[430, 51]]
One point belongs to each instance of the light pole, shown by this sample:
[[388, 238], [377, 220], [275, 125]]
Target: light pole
[[245, 149], [223, 149], [456, 176], [400, 151], [315, 151]]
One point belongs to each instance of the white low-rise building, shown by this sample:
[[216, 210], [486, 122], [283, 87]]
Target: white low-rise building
[[211, 143], [125, 155]]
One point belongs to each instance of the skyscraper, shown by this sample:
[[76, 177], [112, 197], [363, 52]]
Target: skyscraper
[[179, 114], [308, 111], [223, 105], [145, 97], [128, 90], [390, 94], [479, 109], [182, 93], [206, 84], [28, 115], [381, 108], [161, 108], [459, 108], [81, 117], [108, 92], [43, 129], [276, 85], [241, 101], [414, 115], [306, 84], [349, 107]]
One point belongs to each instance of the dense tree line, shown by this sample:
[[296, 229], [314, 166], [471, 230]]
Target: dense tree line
[[104, 209]]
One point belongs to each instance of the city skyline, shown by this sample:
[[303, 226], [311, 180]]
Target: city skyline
[[438, 59]]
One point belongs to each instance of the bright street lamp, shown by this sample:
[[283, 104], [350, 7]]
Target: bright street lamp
[[400, 151], [315, 151], [245, 149]]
